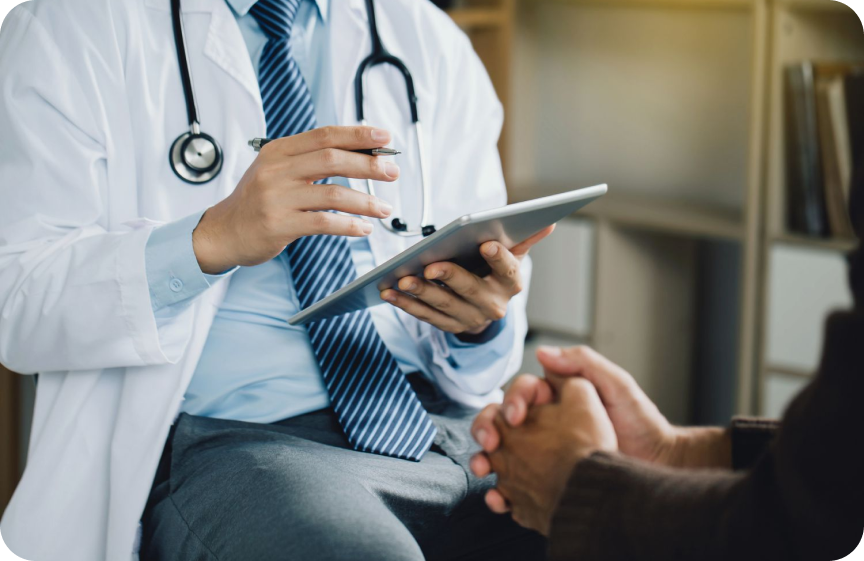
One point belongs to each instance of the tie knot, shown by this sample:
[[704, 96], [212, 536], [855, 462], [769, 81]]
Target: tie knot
[[276, 17]]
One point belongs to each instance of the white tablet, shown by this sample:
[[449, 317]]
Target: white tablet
[[457, 242]]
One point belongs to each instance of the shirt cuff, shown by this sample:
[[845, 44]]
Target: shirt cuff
[[478, 353], [750, 440], [173, 273], [469, 340]]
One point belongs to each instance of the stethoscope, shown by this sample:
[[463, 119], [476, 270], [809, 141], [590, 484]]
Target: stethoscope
[[197, 158]]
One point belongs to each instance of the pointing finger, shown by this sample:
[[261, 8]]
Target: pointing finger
[[346, 138], [342, 199]]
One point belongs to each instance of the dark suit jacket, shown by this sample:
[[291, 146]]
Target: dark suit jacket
[[803, 499]]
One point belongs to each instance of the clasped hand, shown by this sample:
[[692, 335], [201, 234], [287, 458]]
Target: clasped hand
[[535, 438]]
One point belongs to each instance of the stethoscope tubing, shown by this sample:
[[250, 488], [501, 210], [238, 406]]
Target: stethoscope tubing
[[185, 70], [195, 157], [190, 148], [381, 56]]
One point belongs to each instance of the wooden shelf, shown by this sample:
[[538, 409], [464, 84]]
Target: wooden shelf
[[787, 371], [815, 6], [829, 244], [476, 18], [673, 217], [682, 218], [687, 4]]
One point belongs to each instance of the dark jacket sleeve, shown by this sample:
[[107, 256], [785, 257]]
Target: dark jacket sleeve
[[804, 499]]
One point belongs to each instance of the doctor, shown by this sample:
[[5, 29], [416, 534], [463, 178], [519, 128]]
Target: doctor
[[177, 412]]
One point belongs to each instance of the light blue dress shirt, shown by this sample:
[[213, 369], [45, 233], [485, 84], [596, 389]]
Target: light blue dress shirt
[[255, 366]]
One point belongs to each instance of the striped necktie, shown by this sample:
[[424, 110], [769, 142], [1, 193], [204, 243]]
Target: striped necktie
[[375, 405]]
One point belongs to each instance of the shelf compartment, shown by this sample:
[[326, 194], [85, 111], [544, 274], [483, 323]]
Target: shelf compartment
[[478, 18], [804, 287], [842, 245], [685, 4], [815, 6], [790, 371]]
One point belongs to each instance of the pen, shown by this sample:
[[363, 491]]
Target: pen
[[257, 143]]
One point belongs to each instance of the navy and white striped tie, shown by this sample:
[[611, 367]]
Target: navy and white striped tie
[[375, 405]]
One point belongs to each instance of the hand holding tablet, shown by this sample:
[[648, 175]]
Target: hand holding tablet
[[456, 243], [458, 301]]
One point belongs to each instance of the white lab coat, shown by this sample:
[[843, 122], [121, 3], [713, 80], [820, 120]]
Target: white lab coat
[[90, 101]]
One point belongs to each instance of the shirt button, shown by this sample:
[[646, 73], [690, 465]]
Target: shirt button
[[176, 285]]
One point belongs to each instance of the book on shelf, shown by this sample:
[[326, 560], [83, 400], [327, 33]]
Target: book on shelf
[[836, 155], [824, 138], [854, 89]]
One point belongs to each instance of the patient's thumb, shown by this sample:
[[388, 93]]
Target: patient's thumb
[[561, 361], [557, 382]]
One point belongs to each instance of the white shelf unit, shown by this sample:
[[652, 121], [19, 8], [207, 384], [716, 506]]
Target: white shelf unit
[[804, 278], [674, 104]]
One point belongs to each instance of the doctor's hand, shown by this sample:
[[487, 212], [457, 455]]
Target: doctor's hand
[[458, 301], [277, 201]]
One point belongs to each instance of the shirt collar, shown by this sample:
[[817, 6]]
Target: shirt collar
[[242, 7]]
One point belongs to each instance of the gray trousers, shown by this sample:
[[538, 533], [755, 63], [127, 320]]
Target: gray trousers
[[295, 490]]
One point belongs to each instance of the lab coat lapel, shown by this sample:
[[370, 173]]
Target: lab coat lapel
[[224, 45], [226, 48], [349, 44]]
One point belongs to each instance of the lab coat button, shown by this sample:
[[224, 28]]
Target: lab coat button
[[176, 285]]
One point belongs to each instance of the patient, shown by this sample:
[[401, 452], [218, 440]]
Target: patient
[[585, 458]]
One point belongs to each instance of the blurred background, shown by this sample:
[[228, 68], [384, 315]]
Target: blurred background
[[719, 126], [710, 120]]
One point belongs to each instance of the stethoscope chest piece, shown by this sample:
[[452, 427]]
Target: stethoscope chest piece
[[196, 157]]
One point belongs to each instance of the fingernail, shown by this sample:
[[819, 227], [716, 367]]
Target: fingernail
[[391, 170], [366, 226], [388, 296], [551, 351], [385, 207], [481, 437], [380, 135], [437, 274], [412, 287], [510, 413], [491, 249]]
